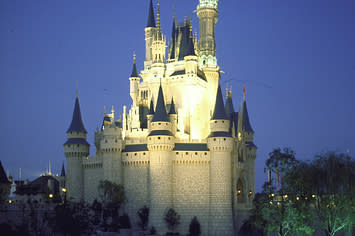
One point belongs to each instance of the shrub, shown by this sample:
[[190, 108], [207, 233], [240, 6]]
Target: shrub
[[194, 228], [125, 223]]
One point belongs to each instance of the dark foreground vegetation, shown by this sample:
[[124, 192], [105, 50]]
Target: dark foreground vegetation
[[305, 196]]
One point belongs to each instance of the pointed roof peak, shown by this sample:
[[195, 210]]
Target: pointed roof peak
[[219, 111], [160, 111], [3, 176], [63, 170], [172, 107], [76, 123], [151, 20], [151, 108], [134, 69], [245, 116]]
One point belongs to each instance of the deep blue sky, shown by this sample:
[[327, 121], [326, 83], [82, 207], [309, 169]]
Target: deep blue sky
[[296, 59]]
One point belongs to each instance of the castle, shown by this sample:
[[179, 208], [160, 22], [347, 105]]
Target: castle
[[179, 145]]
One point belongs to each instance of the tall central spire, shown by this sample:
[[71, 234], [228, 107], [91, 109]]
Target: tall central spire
[[151, 20]]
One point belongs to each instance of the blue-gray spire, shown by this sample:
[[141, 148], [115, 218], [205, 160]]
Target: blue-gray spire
[[151, 19], [160, 111], [151, 108], [219, 111], [172, 108], [76, 123], [134, 69], [173, 38], [229, 106], [246, 123], [63, 170]]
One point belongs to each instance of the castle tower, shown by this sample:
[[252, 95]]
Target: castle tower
[[160, 143], [173, 117], [134, 80], [208, 14], [75, 149], [111, 147], [220, 143], [150, 31], [158, 44]]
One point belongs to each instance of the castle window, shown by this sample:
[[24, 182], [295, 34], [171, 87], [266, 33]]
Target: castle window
[[205, 153], [187, 153], [69, 145], [144, 153], [224, 139], [135, 154], [158, 137], [195, 153], [77, 145], [177, 153]]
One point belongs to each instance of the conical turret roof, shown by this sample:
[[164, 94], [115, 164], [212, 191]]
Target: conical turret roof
[[76, 123], [3, 177], [151, 108], [219, 111], [246, 123], [151, 19], [62, 173], [134, 68], [160, 111], [229, 106], [172, 108]]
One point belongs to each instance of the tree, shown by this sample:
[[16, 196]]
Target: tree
[[172, 219], [333, 188], [194, 228], [112, 196], [280, 162], [143, 215]]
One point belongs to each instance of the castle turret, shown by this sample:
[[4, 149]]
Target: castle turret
[[150, 31], [134, 81], [75, 149], [245, 131], [158, 44], [160, 144], [111, 147], [207, 12], [173, 117], [220, 143], [172, 46]]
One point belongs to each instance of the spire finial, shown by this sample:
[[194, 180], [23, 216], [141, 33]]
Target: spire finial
[[158, 15], [185, 17], [244, 94], [134, 57], [104, 110], [76, 89], [113, 113]]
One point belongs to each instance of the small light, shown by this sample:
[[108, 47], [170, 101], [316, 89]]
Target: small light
[[297, 198], [50, 195], [10, 201], [239, 192], [285, 196], [314, 196], [272, 195], [271, 202], [306, 198], [64, 190], [250, 192], [278, 204]]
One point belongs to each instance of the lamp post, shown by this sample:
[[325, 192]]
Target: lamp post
[[64, 190]]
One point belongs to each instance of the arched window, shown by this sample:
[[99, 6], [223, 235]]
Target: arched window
[[240, 191]]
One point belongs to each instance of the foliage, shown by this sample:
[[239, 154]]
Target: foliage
[[319, 193], [143, 215], [333, 185], [4, 192], [194, 228], [112, 196], [172, 219], [152, 231], [72, 219], [125, 222]]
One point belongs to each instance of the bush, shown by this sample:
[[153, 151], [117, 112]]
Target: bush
[[194, 228], [152, 231], [125, 223], [143, 215]]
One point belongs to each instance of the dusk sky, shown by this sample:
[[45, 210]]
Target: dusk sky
[[296, 59]]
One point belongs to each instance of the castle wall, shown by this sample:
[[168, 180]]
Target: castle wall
[[191, 188], [93, 174], [135, 179]]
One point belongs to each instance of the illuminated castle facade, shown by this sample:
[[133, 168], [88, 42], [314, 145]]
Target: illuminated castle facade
[[178, 145]]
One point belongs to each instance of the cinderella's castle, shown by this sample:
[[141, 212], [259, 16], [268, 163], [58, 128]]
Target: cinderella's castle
[[179, 145]]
